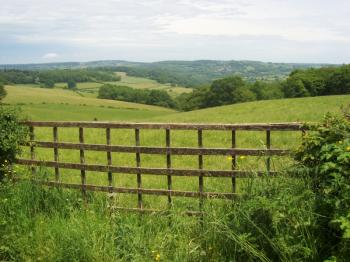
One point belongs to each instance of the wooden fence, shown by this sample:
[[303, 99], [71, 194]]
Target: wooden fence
[[168, 150]]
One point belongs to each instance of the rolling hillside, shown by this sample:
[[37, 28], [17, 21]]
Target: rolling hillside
[[90, 89], [184, 73], [59, 104], [281, 110]]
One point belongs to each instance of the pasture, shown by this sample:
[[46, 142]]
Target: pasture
[[288, 110], [90, 89], [271, 223]]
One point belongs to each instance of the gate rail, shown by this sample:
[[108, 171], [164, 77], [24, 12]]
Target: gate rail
[[168, 150]]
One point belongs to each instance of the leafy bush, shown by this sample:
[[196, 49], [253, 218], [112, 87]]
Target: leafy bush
[[12, 134], [325, 158], [2, 91]]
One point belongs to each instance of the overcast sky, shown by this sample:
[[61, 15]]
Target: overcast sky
[[153, 30]]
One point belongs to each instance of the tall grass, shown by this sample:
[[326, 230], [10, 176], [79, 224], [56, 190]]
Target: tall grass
[[271, 222]]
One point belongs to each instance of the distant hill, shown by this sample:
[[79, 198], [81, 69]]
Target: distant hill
[[183, 73]]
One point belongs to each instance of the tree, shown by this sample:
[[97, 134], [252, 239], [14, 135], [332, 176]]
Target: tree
[[3, 92], [71, 84], [294, 87], [267, 90], [229, 90], [339, 81], [48, 83], [243, 94]]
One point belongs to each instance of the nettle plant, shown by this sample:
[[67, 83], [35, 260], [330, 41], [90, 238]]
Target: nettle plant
[[324, 157], [12, 134]]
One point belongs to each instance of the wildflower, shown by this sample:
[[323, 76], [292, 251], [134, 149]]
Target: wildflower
[[242, 157], [157, 257], [229, 158], [5, 161], [348, 149]]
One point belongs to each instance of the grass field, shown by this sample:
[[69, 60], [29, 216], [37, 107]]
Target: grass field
[[271, 223], [58, 104], [303, 109], [145, 83], [90, 89]]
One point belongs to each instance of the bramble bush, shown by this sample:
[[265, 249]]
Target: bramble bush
[[324, 157], [12, 134]]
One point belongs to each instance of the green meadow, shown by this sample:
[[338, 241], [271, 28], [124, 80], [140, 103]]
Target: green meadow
[[90, 89], [56, 104], [271, 223]]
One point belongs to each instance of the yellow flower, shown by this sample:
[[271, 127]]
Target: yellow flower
[[157, 258], [242, 157], [348, 148], [229, 158]]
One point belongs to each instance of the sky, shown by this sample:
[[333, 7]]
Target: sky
[[305, 31]]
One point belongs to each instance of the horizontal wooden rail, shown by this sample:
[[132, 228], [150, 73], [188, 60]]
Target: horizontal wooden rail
[[110, 165], [143, 170], [160, 192], [161, 150], [293, 126], [145, 210]]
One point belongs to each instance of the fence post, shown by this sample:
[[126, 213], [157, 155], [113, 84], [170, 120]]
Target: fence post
[[200, 166], [168, 163], [82, 161], [268, 146], [109, 156], [138, 164], [55, 150], [32, 147], [234, 161]]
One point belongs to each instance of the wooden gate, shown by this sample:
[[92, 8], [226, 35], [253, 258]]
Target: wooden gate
[[232, 151]]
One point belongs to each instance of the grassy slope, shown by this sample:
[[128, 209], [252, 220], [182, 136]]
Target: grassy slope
[[283, 110], [57, 104], [303, 109]]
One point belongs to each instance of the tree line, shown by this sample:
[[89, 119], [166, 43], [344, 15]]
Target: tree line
[[145, 96], [48, 78], [234, 89], [300, 83]]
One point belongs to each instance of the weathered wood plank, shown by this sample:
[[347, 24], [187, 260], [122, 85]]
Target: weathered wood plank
[[55, 150], [138, 210], [109, 156], [160, 192], [163, 150], [82, 159], [234, 161], [168, 163], [138, 164], [200, 167], [148, 171], [179, 126], [268, 146], [32, 146]]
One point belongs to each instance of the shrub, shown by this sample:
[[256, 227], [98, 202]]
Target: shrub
[[3, 92], [12, 134], [325, 158]]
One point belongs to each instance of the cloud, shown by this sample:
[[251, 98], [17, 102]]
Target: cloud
[[50, 56], [172, 27]]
